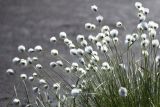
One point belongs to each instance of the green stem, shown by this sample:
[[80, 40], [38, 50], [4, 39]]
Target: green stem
[[26, 91]]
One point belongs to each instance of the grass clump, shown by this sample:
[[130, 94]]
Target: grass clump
[[107, 71]]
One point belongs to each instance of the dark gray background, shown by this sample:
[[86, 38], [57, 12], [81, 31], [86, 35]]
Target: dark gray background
[[32, 22]]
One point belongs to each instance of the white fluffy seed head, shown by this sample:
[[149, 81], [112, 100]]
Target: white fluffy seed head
[[72, 46], [88, 26], [73, 85], [156, 26], [139, 27], [29, 60], [16, 101], [104, 42], [105, 28], [67, 69], [31, 50], [35, 74], [75, 92], [93, 26], [23, 62], [84, 43], [142, 26], [82, 71], [114, 32], [153, 25], [80, 38], [128, 38], [146, 11], [80, 52], [155, 43], [62, 35], [16, 60], [107, 33], [99, 18], [140, 14], [105, 64], [142, 18], [88, 49], [54, 52], [95, 53], [53, 64], [107, 39], [35, 58], [38, 48], [99, 45], [94, 58], [81, 60], [56, 86], [31, 78], [53, 39], [122, 91], [74, 65], [39, 66], [133, 39], [94, 41], [144, 43], [67, 41], [152, 33], [157, 59], [59, 63], [21, 48], [115, 40], [104, 49], [138, 5], [42, 81], [73, 51], [94, 8], [91, 38], [143, 36], [100, 36], [135, 35], [23, 76], [141, 9], [10, 72], [119, 24]]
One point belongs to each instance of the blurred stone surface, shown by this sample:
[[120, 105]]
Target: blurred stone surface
[[33, 22]]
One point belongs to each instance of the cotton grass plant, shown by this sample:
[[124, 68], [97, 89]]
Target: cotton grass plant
[[107, 71]]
